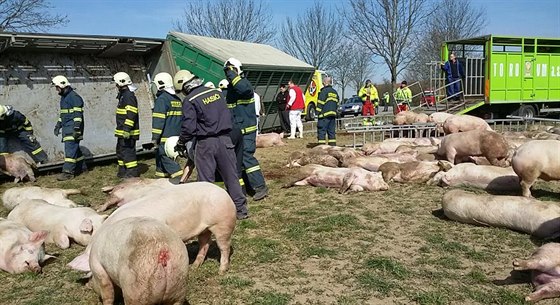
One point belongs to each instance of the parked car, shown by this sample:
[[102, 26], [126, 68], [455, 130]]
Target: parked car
[[350, 106]]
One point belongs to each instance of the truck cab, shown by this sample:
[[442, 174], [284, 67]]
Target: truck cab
[[312, 94]]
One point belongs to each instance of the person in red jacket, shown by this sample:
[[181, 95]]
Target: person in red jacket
[[296, 103]]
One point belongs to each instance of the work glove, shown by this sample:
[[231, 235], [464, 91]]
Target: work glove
[[32, 139], [76, 134], [126, 134], [57, 128], [181, 149]]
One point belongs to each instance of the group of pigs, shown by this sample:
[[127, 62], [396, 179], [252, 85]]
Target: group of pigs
[[470, 154], [139, 248]]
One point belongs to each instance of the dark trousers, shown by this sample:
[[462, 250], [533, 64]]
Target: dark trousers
[[165, 166], [284, 117], [73, 158], [217, 154], [32, 148], [126, 158], [251, 165], [454, 89], [326, 127]]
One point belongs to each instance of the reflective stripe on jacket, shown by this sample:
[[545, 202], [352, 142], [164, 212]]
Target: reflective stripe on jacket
[[327, 102], [127, 114], [166, 116]]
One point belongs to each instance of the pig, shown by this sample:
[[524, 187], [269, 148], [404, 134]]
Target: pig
[[439, 117], [345, 179], [388, 147], [63, 224], [18, 165], [372, 162], [554, 130], [144, 258], [191, 209], [489, 144], [131, 189], [409, 117], [423, 149], [415, 141], [486, 177], [20, 249], [545, 266], [536, 159], [13, 196], [270, 139], [414, 172], [462, 123], [298, 159], [538, 218]]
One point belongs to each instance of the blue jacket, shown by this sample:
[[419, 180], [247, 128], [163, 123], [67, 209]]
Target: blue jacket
[[127, 114], [327, 102], [448, 71], [71, 114], [241, 102], [166, 116], [205, 114], [14, 121]]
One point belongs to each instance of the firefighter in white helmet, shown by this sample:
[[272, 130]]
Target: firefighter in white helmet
[[166, 123], [71, 125], [127, 130], [14, 124]]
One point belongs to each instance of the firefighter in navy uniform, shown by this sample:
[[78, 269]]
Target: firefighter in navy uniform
[[14, 124], [207, 120], [166, 122], [71, 123], [127, 131], [327, 105], [240, 100]]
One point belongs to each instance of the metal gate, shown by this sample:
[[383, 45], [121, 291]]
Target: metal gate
[[474, 80]]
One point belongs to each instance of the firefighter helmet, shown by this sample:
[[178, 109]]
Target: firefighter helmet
[[169, 148], [223, 84], [122, 79], [235, 63], [163, 80], [181, 78], [60, 82], [210, 85], [3, 111]]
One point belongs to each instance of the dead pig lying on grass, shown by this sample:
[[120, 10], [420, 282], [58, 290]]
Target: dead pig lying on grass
[[345, 179], [131, 189], [538, 218], [373, 162], [298, 159], [20, 249], [269, 140], [142, 256], [534, 160], [545, 266], [486, 177], [196, 209], [18, 165], [13, 196], [414, 172]]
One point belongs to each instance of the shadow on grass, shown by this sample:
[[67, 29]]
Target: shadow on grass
[[213, 251], [515, 277]]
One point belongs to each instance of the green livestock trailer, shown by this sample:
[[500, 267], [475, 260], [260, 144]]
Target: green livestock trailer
[[508, 75], [264, 66]]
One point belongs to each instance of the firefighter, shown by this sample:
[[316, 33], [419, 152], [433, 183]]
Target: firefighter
[[369, 97], [14, 124], [386, 101], [127, 131], [166, 122], [71, 123], [240, 100], [403, 97], [206, 120], [222, 85], [327, 105]]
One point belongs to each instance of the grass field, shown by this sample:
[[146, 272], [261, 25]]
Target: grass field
[[314, 246]]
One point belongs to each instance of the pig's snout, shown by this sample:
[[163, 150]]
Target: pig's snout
[[33, 266]]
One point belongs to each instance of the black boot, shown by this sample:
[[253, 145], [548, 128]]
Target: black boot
[[260, 193], [65, 176]]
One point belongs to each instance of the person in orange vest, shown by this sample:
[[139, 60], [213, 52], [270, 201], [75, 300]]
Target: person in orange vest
[[369, 97]]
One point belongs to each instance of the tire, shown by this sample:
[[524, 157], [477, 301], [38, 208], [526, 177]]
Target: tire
[[311, 113], [527, 111]]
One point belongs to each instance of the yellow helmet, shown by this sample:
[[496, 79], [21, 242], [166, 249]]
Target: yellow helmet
[[223, 84], [60, 82], [163, 80], [235, 63], [122, 79], [182, 77]]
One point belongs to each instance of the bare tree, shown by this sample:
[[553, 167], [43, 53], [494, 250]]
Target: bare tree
[[361, 68], [244, 20], [447, 22], [313, 36], [28, 16], [343, 67], [387, 28]]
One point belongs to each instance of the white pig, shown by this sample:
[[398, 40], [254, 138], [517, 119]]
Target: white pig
[[144, 258], [486, 177], [20, 249], [15, 195], [63, 224], [131, 189], [545, 266], [191, 209], [269, 140], [462, 123], [538, 218], [536, 159], [488, 144], [18, 165]]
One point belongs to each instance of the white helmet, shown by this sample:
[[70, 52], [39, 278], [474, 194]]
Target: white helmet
[[163, 80], [169, 148], [122, 79], [60, 81], [223, 84], [210, 85], [234, 62], [3, 111], [182, 77]]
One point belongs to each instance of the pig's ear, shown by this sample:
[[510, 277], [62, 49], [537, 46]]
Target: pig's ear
[[47, 257], [107, 189], [86, 226], [347, 182], [38, 237]]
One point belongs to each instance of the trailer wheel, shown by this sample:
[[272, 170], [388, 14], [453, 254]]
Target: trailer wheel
[[527, 111], [311, 113]]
